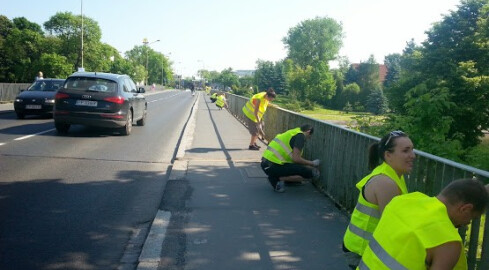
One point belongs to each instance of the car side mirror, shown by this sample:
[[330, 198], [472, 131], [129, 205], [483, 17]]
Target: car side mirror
[[141, 90]]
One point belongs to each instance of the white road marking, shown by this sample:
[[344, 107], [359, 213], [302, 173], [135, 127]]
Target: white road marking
[[28, 136]]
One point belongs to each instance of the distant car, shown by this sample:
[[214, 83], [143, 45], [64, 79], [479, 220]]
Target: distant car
[[99, 100], [38, 99]]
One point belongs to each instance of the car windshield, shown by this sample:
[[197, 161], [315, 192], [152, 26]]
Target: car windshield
[[45, 86], [90, 84]]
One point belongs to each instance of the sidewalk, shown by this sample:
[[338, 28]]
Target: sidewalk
[[230, 217]]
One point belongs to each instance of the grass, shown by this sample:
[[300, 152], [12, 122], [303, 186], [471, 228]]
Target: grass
[[335, 116]]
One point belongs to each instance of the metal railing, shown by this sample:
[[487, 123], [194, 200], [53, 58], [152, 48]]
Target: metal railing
[[8, 91], [344, 158]]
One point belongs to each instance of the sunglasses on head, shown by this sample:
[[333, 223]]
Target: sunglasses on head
[[393, 134]]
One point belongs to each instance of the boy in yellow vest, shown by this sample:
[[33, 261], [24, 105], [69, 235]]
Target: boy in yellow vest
[[282, 160], [254, 111], [420, 232]]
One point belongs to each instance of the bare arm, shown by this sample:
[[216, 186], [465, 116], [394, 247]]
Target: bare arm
[[297, 158], [257, 109], [443, 257], [381, 190]]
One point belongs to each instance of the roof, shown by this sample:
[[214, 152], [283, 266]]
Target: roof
[[382, 71], [102, 75]]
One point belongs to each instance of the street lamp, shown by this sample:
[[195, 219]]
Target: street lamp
[[146, 43]]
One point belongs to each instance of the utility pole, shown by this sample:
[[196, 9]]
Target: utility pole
[[146, 44]]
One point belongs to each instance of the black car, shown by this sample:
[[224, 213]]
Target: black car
[[38, 99], [100, 100]]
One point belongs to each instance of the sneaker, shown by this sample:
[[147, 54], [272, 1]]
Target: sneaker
[[273, 181], [253, 147], [280, 187], [256, 145]]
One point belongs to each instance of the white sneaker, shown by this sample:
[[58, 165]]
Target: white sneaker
[[280, 187]]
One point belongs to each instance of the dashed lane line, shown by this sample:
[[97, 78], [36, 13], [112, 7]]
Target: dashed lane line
[[32, 135]]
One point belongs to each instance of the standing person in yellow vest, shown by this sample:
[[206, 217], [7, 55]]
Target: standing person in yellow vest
[[420, 232], [282, 160], [254, 110], [389, 159], [221, 101]]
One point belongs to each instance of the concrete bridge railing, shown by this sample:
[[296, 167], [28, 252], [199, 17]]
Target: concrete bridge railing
[[8, 91], [344, 158]]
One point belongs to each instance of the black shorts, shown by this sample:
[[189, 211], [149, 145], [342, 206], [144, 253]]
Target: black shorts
[[287, 169]]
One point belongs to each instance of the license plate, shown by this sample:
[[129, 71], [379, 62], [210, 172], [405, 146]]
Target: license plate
[[89, 103], [33, 107]]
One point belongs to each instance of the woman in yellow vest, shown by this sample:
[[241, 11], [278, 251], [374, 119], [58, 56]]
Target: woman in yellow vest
[[389, 160], [254, 110], [420, 232], [282, 160]]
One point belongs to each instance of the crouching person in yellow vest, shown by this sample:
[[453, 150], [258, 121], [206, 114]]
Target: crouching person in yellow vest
[[254, 110], [221, 101], [420, 232], [282, 160], [213, 97]]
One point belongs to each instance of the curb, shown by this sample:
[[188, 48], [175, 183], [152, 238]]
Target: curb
[[150, 256]]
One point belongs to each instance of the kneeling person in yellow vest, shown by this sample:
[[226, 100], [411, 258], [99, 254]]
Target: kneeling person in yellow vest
[[214, 97], [221, 101], [420, 232], [282, 160]]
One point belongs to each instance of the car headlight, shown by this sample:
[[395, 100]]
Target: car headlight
[[49, 101], [19, 100]]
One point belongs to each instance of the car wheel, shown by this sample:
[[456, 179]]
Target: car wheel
[[142, 121], [62, 128], [20, 115], [126, 130]]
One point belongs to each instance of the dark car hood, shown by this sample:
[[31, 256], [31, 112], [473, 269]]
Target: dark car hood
[[37, 94]]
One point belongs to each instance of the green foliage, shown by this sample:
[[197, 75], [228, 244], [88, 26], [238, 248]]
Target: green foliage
[[228, 79], [478, 156], [54, 66], [377, 102], [348, 108], [315, 40], [269, 74]]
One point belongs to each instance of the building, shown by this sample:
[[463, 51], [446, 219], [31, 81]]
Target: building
[[244, 73]]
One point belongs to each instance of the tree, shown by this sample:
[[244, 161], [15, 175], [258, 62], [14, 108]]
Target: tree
[[66, 27], [269, 74], [228, 79], [377, 102], [315, 40], [54, 66], [393, 64]]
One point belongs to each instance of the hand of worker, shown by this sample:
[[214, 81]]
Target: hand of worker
[[316, 162]]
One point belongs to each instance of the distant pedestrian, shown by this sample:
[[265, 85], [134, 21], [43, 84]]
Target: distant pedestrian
[[214, 97], [39, 76], [254, 110], [420, 232], [282, 161], [395, 153]]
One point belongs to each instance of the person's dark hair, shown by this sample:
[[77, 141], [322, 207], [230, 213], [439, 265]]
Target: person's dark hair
[[470, 191], [307, 127], [377, 150], [271, 93]]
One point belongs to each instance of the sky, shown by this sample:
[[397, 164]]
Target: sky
[[220, 34]]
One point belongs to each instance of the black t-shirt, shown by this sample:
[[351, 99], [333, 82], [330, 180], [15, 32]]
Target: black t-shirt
[[298, 141]]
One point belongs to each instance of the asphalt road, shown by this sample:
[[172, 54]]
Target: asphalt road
[[75, 201]]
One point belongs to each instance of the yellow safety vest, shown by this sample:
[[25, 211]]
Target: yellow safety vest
[[410, 225], [366, 215], [249, 107], [214, 95], [220, 101], [279, 150]]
